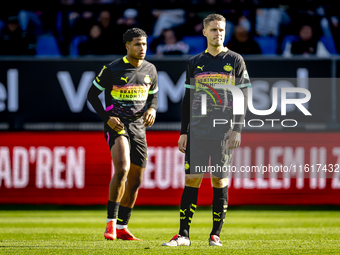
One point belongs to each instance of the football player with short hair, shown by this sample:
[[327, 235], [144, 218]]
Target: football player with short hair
[[130, 86], [200, 140]]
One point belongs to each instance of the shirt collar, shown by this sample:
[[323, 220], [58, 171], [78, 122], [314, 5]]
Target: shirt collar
[[126, 61], [225, 49]]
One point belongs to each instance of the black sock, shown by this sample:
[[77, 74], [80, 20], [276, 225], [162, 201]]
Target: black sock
[[220, 205], [187, 209], [112, 208], [124, 214]]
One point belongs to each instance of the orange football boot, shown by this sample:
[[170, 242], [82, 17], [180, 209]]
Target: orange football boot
[[110, 232], [125, 234]]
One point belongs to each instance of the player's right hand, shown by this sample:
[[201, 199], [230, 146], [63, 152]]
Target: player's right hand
[[182, 143], [115, 124]]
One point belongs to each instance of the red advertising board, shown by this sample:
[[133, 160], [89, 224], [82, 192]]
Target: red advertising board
[[75, 168]]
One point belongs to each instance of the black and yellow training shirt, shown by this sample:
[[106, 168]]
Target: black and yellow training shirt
[[203, 72], [128, 90]]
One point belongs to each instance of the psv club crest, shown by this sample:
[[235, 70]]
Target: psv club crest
[[147, 79]]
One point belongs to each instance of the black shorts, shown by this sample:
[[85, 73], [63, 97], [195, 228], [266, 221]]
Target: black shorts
[[135, 133], [204, 156]]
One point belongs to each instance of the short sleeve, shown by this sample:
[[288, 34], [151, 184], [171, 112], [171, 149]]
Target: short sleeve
[[189, 78], [242, 76], [154, 82], [103, 79]]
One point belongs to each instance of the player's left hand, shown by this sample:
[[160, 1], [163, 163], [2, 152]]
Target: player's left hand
[[234, 140], [149, 117]]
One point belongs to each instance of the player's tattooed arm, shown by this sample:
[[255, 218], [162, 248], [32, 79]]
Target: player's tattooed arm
[[234, 140], [239, 119], [235, 136]]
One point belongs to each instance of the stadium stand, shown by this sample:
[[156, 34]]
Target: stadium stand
[[47, 45]]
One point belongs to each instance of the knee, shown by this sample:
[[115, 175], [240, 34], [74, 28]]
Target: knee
[[121, 171], [193, 181], [135, 179], [136, 183], [219, 182]]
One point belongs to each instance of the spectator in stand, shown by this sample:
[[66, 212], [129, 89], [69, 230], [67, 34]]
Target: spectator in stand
[[127, 21], [269, 20], [104, 20], [170, 45], [29, 19], [167, 19], [272, 20], [307, 43], [305, 12], [108, 32], [13, 41], [242, 42], [192, 26], [336, 31], [94, 44], [81, 22]]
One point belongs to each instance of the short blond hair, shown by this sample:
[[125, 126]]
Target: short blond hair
[[212, 17]]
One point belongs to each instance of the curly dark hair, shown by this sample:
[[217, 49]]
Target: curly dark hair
[[132, 33]]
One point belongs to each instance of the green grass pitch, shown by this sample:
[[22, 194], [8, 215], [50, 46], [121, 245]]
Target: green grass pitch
[[244, 232]]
